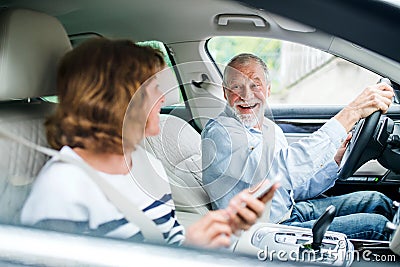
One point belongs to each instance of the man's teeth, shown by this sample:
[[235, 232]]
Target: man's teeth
[[248, 106]]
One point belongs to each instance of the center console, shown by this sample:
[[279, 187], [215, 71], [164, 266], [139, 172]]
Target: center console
[[276, 242]]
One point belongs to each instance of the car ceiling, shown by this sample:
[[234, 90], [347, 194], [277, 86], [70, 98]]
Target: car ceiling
[[367, 22], [139, 20], [186, 20]]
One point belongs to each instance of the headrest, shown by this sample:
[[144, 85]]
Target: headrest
[[31, 45]]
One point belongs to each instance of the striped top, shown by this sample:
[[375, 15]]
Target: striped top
[[64, 198]]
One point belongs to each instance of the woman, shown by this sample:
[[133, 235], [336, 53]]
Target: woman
[[96, 82]]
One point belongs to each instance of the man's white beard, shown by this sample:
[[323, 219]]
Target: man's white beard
[[250, 119]]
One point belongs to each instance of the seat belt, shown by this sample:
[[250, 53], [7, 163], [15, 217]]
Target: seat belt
[[270, 126], [129, 209]]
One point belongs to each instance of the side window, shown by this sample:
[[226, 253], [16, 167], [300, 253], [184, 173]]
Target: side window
[[173, 94], [300, 75], [157, 45], [169, 82]]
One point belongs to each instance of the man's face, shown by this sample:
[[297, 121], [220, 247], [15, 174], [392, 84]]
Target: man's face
[[246, 91]]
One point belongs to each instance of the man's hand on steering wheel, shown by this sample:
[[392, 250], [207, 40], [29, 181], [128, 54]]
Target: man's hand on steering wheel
[[340, 152], [375, 97], [367, 108]]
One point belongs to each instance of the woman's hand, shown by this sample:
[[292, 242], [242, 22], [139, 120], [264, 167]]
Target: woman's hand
[[212, 230], [244, 209], [216, 228]]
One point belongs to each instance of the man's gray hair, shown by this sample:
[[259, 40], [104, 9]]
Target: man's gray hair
[[245, 59]]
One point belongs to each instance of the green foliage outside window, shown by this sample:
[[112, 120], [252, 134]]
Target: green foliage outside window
[[223, 48]]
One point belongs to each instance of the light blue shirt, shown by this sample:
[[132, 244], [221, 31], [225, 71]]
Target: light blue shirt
[[235, 157]]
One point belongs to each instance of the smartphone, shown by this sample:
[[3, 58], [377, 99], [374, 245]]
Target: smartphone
[[266, 186]]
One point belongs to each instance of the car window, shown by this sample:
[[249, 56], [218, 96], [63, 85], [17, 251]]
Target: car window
[[300, 75], [174, 98]]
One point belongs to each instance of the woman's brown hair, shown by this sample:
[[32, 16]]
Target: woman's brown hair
[[95, 83]]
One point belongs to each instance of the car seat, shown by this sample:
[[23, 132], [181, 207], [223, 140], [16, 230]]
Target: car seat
[[31, 45], [178, 146]]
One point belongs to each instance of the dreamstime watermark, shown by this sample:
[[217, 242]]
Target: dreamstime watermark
[[327, 256], [297, 255], [368, 255]]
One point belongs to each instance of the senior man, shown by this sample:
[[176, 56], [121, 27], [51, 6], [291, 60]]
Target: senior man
[[241, 148]]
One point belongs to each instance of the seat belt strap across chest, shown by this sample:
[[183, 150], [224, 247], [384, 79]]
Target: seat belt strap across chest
[[131, 212]]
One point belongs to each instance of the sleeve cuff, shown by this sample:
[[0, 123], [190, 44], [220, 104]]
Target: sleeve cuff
[[336, 132]]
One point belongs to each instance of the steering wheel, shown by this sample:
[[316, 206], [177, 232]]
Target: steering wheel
[[362, 146], [356, 153]]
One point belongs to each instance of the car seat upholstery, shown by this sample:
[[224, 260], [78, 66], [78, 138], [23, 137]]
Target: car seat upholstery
[[31, 45], [178, 146]]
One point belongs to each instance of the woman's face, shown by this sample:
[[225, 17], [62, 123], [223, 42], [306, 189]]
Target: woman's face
[[155, 98]]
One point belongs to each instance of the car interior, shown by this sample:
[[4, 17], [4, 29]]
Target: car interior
[[36, 34]]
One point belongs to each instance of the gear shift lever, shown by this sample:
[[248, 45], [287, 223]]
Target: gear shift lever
[[321, 225]]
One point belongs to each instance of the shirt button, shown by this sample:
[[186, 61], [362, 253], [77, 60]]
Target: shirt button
[[252, 148]]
